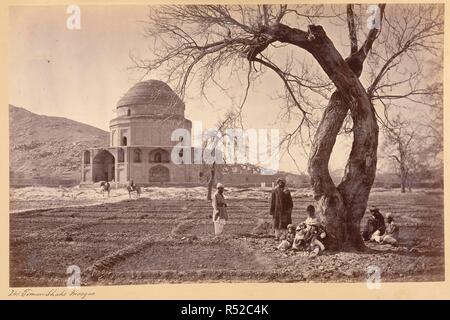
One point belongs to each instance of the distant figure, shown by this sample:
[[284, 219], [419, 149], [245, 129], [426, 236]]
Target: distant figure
[[105, 186], [281, 208], [220, 214], [132, 187], [375, 226]]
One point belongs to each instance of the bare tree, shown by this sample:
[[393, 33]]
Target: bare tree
[[198, 41], [398, 146], [213, 144], [432, 137], [413, 145], [432, 146]]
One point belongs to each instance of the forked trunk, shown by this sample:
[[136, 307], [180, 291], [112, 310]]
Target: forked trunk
[[342, 207]]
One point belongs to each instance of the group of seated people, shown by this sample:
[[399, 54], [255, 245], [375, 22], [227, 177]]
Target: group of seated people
[[376, 229], [308, 236]]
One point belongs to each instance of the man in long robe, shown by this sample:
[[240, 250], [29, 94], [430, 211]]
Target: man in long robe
[[220, 213], [281, 208]]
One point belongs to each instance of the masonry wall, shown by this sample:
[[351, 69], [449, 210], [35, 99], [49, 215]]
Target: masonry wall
[[144, 131]]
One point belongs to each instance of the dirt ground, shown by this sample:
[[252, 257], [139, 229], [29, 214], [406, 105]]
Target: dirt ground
[[149, 240]]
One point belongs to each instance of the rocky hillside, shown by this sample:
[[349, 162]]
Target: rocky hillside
[[44, 148]]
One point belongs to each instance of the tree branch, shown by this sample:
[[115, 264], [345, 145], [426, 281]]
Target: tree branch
[[352, 29]]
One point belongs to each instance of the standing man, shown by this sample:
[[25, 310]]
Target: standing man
[[281, 208], [220, 215]]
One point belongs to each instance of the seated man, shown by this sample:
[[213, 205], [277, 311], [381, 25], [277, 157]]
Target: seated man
[[392, 231], [375, 227], [314, 238]]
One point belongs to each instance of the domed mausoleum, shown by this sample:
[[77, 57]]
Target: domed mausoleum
[[141, 140]]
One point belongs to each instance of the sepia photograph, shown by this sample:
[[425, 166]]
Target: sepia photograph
[[225, 143]]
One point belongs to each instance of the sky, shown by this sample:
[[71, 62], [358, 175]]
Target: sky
[[81, 74]]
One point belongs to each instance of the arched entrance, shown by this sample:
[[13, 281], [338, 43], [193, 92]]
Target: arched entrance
[[103, 166], [159, 174]]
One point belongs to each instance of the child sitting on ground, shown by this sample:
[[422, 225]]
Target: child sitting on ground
[[314, 232], [299, 240], [287, 242]]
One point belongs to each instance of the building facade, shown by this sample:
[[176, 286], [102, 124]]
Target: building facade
[[141, 141]]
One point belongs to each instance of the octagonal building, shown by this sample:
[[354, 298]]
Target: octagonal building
[[141, 140]]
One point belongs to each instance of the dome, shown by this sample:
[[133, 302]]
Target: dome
[[154, 96]]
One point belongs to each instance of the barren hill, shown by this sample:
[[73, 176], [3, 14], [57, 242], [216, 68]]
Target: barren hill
[[48, 149]]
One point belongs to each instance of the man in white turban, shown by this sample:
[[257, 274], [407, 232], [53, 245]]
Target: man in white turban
[[220, 214], [392, 231]]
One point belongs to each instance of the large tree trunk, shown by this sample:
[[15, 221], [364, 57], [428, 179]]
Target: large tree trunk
[[341, 208]]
